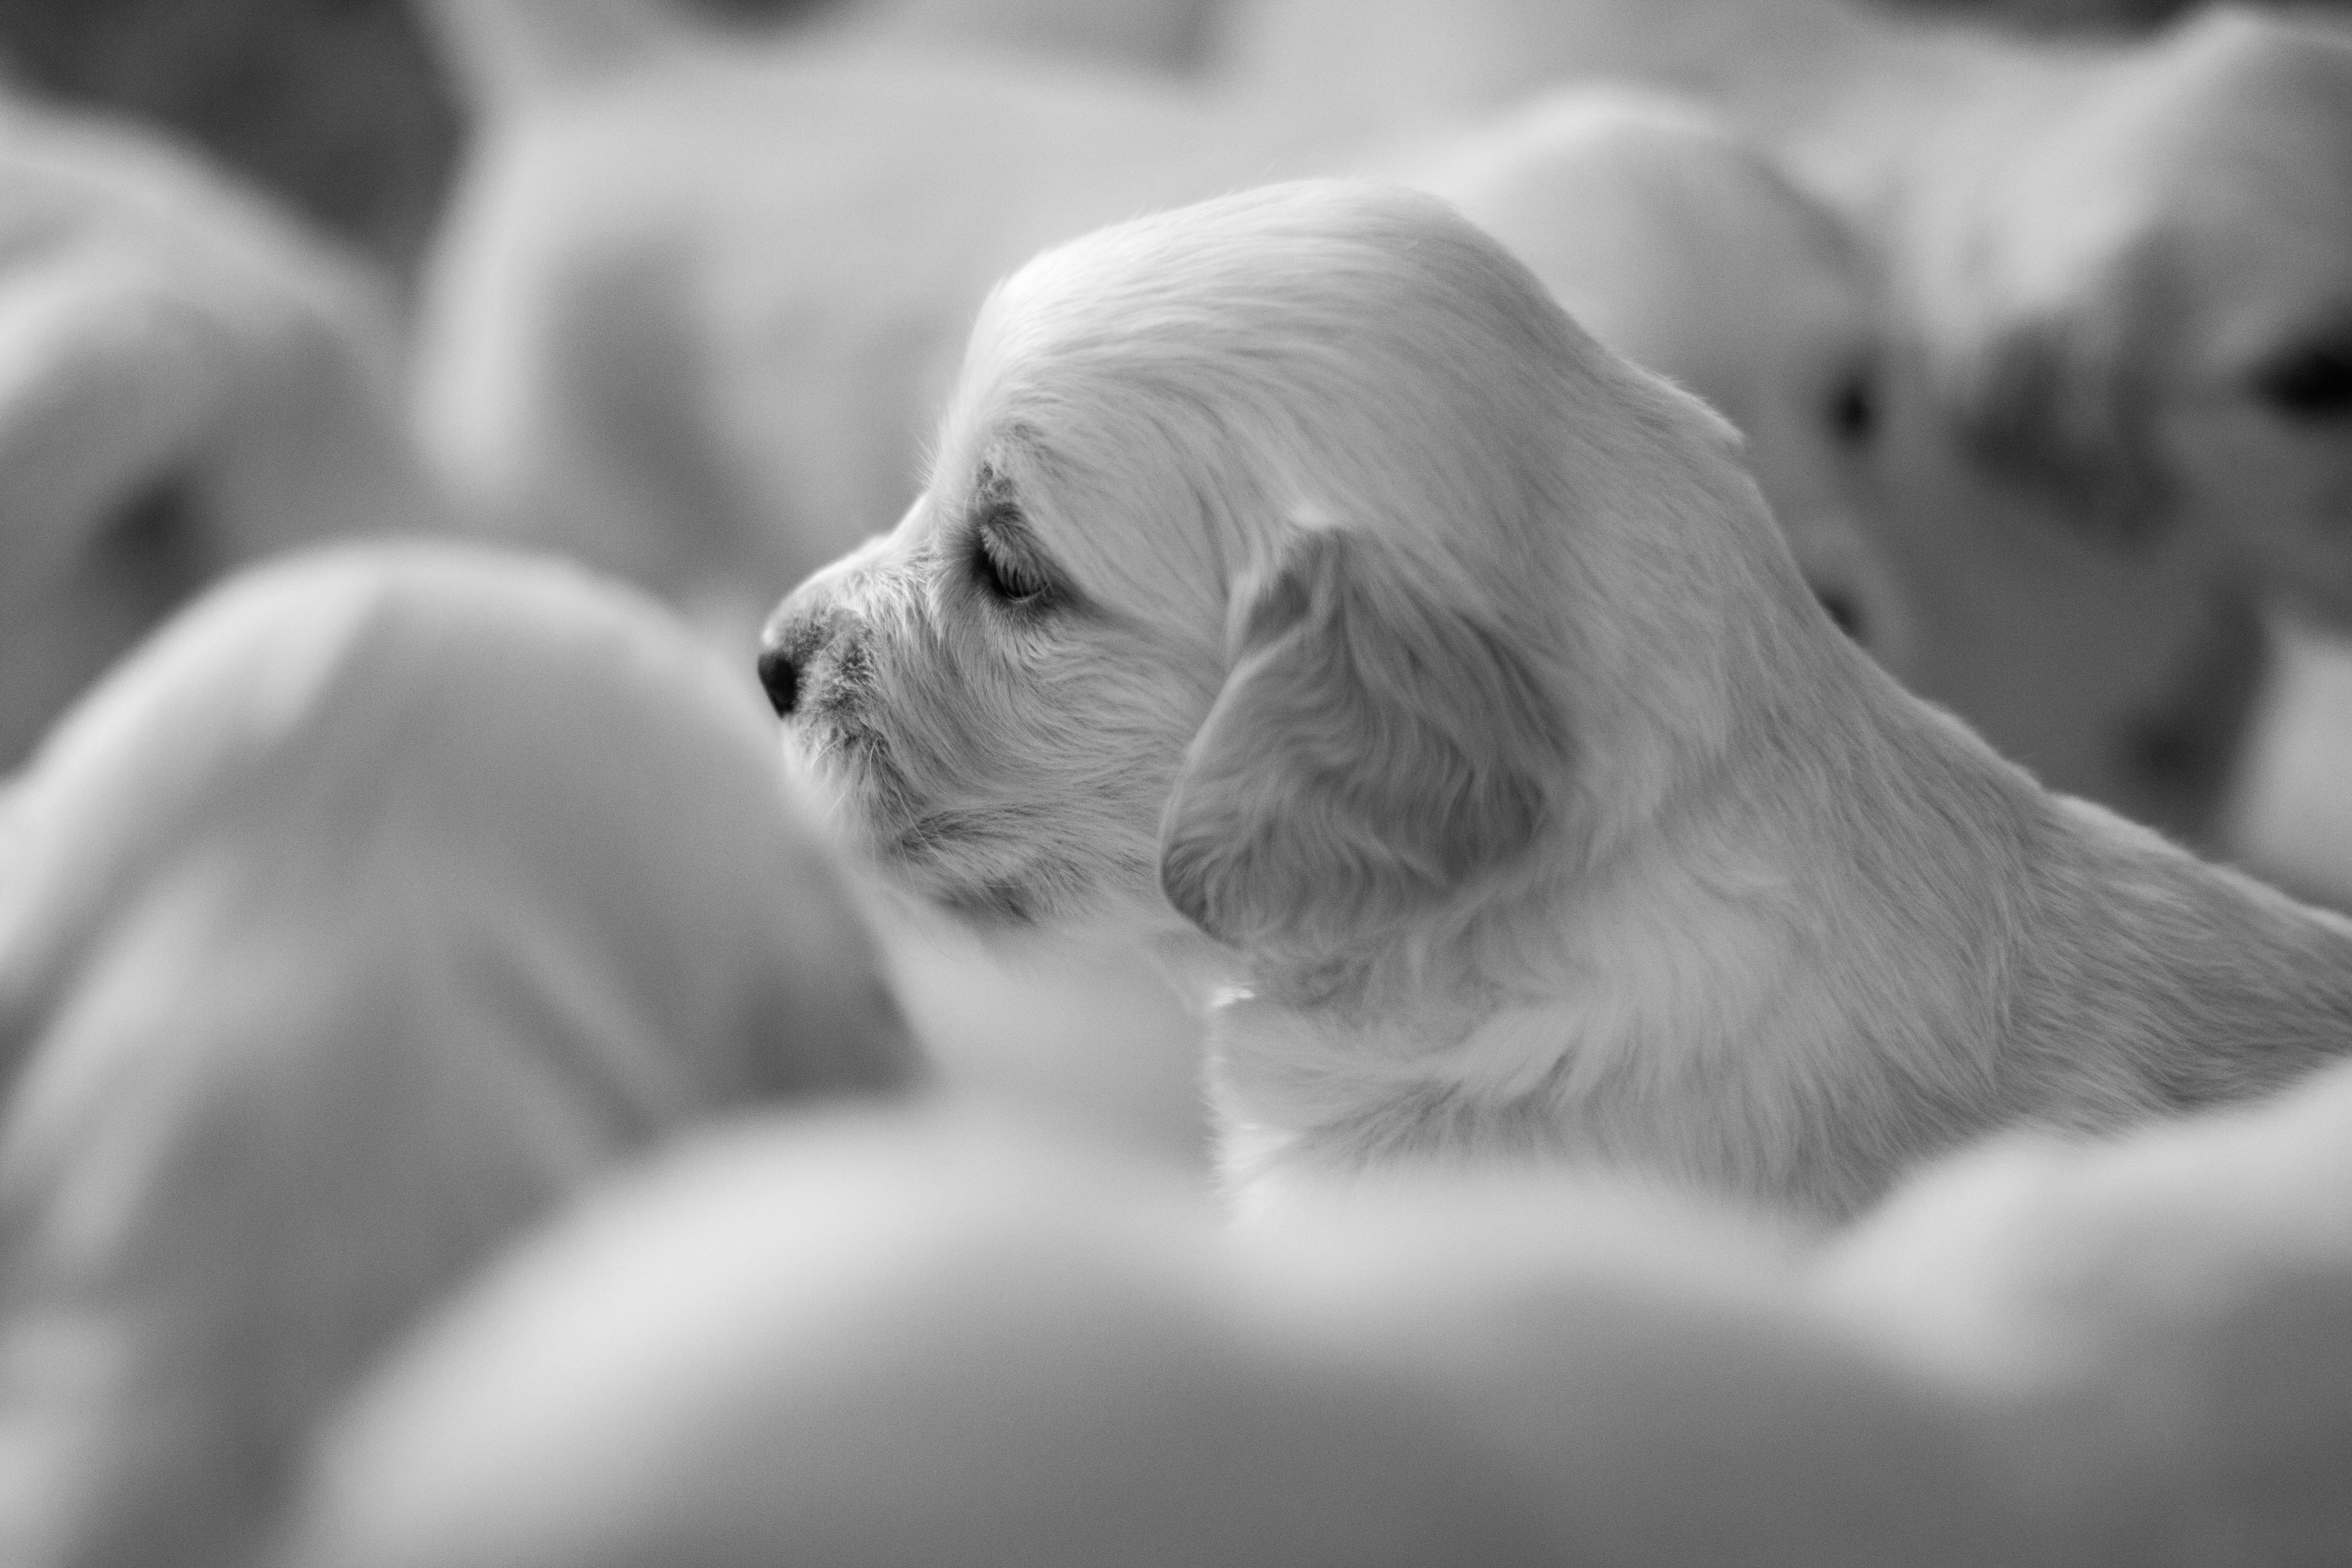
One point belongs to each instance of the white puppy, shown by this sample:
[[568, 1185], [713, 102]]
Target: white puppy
[[376, 905], [696, 307], [188, 380], [1297, 586]]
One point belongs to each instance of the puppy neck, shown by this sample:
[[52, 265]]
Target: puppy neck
[[1786, 956]]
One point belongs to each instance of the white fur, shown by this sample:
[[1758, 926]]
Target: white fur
[[867, 1342], [2162, 1322], [1449, 676], [912, 1343], [1686, 250], [188, 380], [380, 902]]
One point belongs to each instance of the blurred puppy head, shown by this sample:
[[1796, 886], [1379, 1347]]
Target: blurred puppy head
[[1294, 554], [2151, 312], [187, 380], [1685, 249]]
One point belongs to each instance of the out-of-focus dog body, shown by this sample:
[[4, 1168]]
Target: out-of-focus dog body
[[1293, 555], [188, 380]]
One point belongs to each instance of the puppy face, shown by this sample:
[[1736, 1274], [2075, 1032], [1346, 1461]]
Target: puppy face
[[2169, 341], [1258, 581], [1687, 251]]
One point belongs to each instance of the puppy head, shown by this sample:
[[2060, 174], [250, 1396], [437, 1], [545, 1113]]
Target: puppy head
[[187, 381], [1686, 250], [1290, 553], [2151, 317]]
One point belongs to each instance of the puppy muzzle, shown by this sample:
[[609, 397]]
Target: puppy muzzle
[[803, 651]]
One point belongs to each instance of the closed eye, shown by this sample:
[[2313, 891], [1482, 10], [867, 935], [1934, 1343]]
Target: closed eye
[[1001, 563]]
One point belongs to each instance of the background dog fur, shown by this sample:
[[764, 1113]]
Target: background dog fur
[[382, 902], [188, 380], [1449, 676]]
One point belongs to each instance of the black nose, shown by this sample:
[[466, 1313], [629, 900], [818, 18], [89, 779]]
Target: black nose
[[779, 676]]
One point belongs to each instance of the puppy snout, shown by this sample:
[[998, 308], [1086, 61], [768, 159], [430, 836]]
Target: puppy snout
[[789, 648]]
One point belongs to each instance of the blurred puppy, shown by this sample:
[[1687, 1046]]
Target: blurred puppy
[[2162, 1322], [1685, 250], [379, 903], [188, 380], [1299, 588], [950, 1343], [865, 1343]]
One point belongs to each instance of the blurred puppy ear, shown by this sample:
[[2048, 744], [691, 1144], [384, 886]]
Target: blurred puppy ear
[[2055, 402], [1371, 752]]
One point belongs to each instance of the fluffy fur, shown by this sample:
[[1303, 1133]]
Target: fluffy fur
[[188, 380], [378, 904], [953, 1344], [2163, 1321], [1299, 588], [2122, 262]]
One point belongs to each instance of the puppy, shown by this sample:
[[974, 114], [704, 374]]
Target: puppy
[[1298, 588], [188, 380], [381, 903]]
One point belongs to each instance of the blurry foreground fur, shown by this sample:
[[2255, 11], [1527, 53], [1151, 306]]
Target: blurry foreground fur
[[380, 902]]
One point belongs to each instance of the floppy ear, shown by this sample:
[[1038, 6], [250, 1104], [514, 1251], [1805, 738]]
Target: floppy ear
[[1371, 752], [2055, 402]]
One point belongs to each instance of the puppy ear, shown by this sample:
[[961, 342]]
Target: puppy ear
[[2055, 403], [1371, 752]]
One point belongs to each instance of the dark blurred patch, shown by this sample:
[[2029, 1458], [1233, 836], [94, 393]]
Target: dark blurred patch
[[2067, 15], [337, 105]]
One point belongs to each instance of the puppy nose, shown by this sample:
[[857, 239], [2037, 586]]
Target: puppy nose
[[780, 677], [794, 635]]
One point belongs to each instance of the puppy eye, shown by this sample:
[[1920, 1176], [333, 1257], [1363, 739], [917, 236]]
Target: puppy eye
[[2311, 383], [1852, 410], [1002, 570]]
